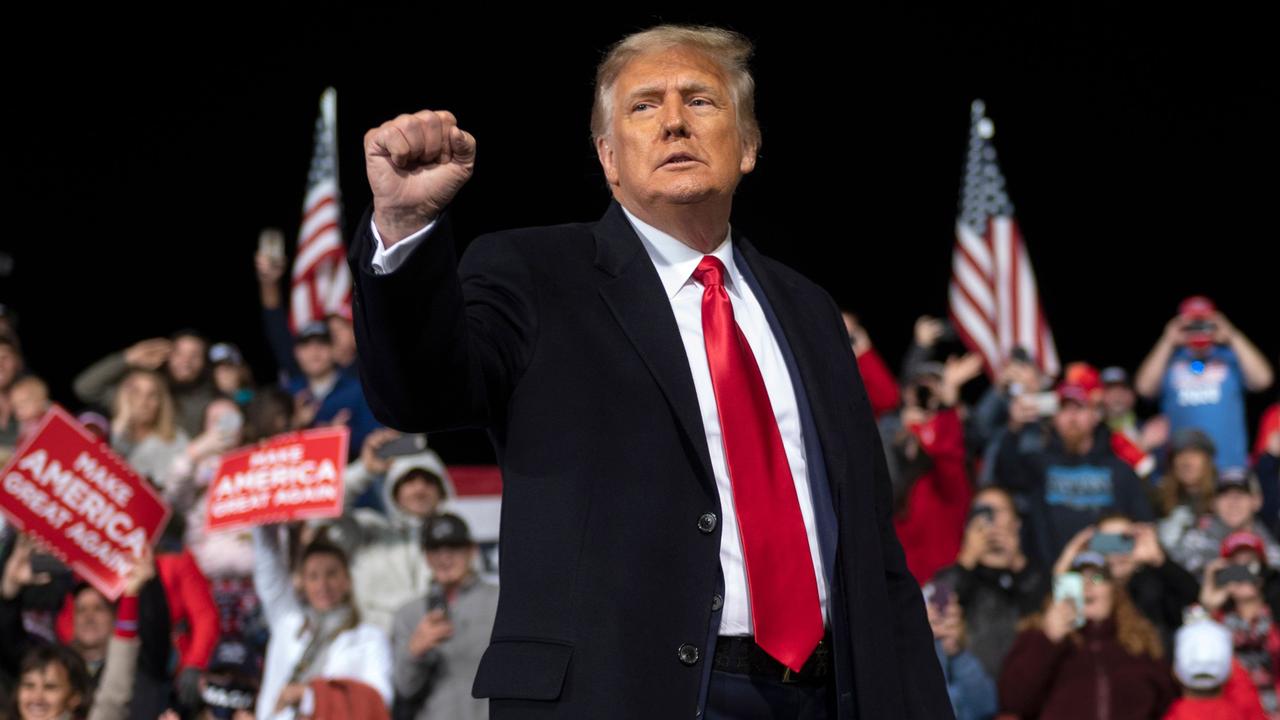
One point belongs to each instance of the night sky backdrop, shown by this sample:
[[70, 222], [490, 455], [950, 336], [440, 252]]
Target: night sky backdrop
[[1140, 154]]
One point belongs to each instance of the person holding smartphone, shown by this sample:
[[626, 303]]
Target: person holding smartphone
[[438, 638], [996, 585], [1089, 654]]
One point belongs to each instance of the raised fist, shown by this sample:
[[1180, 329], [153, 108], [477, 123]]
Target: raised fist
[[416, 164]]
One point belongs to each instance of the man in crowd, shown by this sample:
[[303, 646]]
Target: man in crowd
[[1066, 475], [322, 393], [1199, 372], [438, 639], [1235, 504], [181, 357]]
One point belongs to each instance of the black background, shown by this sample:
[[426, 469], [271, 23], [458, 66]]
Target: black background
[[143, 155]]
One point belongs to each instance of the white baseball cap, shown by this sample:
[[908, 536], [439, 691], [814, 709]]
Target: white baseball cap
[[1202, 655]]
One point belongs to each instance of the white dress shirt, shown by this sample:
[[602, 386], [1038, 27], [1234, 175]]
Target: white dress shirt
[[675, 263]]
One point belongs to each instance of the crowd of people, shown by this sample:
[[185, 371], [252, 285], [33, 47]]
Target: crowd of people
[[1098, 544]]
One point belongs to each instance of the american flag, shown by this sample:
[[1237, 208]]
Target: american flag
[[994, 303], [321, 283]]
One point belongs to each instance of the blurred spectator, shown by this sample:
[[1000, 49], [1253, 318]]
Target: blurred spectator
[[124, 672], [223, 557], [143, 425], [1267, 468], [991, 419], [29, 398], [882, 388], [10, 370], [972, 691], [193, 617], [318, 637], [1158, 587], [1242, 590], [1118, 402], [8, 321], [993, 580], [229, 689], [275, 320], [1110, 666], [1066, 475], [440, 637], [322, 394], [1267, 441], [1203, 665], [1199, 372], [931, 487], [1186, 491], [181, 360], [386, 549], [231, 375], [1236, 501]]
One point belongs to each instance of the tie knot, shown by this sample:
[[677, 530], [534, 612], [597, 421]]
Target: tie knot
[[710, 271]]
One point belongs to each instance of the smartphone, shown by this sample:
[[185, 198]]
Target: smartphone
[[938, 594], [403, 445], [1070, 586], [1046, 403], [1233, 573], [986, 512], [437, 601], [1111, 543]]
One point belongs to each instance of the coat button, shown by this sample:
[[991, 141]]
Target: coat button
[[707, 522], [717, 602], [688, 654]]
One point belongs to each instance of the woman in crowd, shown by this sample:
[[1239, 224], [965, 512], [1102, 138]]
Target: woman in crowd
[[1185, 492], [143, 425], [1109, 666], [319, 637]]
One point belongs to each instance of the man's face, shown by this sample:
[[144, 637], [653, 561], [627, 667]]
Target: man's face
[[187, 359], [418, 497], [30, 402], [94, 617], [668, 103], [315, 357], [1075, 422], [1235, 508], [344, 339], [1117, 399], [449, 565]]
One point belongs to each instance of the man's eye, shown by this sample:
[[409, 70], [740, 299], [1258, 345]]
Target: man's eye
[[639, 106], [702, 101]]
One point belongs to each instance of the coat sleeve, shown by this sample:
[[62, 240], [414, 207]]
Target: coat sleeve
[[924, 690], [201, 611], [271, 577], [440, 343], [94, 385], [375, 664], [115, 690]]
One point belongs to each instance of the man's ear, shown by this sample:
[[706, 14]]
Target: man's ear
[[604, 151], [748, 163]]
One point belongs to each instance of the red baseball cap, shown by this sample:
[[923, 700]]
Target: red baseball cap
[[1243, 540], [1081, 382], [1197, 307]]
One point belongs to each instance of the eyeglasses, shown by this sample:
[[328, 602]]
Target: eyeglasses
[[1096, 578]]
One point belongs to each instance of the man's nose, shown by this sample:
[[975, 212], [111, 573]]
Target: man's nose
[[673, 119]]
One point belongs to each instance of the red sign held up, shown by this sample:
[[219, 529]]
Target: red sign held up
[[69, 490], [293, 476]]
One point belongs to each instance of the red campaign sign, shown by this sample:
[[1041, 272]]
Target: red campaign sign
[[67, 488], [294, 476]]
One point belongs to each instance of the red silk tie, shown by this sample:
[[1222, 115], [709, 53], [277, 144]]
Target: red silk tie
[[775, 547]]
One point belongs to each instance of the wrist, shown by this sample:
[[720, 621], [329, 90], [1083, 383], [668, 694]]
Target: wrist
[[395, 224]]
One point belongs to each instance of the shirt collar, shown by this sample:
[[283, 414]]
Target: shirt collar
[[675, 261]]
